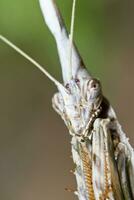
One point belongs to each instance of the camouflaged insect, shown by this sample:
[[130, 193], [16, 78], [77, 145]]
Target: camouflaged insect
[[103, 156]]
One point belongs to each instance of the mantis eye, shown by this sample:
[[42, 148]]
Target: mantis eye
[[67, 86], [93, 84], [77, 81], [93, 89]]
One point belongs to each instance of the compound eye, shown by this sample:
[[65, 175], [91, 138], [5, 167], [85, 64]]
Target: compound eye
[[93, 89], [67, 86], [77, 81], [94, 84]]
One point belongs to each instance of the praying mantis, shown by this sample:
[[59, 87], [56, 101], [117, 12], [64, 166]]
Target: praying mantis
[[103, 157]]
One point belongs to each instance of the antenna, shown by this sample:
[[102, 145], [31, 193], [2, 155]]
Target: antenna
[[72, 31], [17, 49]]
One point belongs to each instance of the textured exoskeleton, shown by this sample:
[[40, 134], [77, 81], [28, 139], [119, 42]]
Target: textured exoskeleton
[[103, 156]]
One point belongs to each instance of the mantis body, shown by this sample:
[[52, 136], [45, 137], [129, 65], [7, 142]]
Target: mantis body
[[103, 156]]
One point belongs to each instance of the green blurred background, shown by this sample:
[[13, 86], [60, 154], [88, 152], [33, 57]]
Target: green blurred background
[[34, 143]]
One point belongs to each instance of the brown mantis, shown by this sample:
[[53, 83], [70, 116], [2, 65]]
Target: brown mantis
[[103, 156]]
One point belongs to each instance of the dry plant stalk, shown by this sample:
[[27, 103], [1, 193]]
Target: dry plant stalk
[[103, 157]]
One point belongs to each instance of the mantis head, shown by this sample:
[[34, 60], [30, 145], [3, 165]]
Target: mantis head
[[79, 103], [79, 98]]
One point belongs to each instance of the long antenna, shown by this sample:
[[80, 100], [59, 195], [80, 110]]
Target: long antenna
[[72, 32], [17, 49]]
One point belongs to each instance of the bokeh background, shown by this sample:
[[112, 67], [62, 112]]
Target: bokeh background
[[34, 143]]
